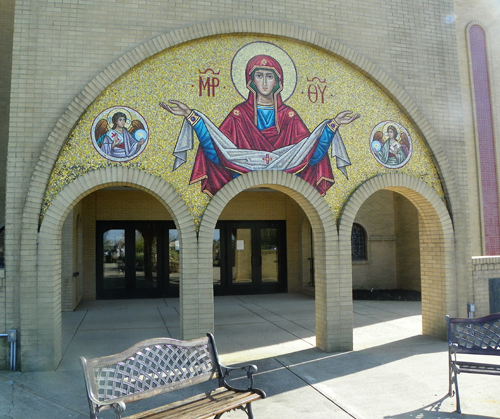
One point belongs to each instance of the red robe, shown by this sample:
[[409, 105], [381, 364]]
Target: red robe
[[240, 126]]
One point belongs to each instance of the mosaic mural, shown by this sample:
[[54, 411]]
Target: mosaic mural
[[204, 112], [261, 133]]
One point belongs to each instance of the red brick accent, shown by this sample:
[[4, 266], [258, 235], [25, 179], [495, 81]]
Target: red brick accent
[[486, 141]]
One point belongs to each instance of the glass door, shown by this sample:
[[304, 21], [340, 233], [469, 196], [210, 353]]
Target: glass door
[[113, 263], [269, 254], [146, 258], [241, 258], [216, 258], [249, 257], [132, 259], [173, 260]]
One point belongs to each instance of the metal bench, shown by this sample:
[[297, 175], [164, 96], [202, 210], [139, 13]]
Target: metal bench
[[480, 336], [157, 366]]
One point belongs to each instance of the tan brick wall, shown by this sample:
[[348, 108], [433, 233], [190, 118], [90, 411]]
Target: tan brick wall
[[68, 284], [269, 205], [376, 216], [6, 39], [393, 256], [128, 205], [433, 279], [408, 249], [294, 251]]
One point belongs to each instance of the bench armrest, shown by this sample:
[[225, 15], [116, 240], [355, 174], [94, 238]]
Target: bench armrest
[[95, 404], [226, 371], [118, 407]]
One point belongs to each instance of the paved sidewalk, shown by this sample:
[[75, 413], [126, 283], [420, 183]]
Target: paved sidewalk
[[394, 372]]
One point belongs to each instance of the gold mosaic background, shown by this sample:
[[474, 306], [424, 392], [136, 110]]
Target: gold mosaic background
[[174, 74]]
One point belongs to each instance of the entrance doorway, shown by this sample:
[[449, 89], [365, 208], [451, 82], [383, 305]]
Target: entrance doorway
[[137, 259], [249, 257]]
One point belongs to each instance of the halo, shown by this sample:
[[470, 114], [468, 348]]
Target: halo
[[119, 109], [245, 53], [398, 127]]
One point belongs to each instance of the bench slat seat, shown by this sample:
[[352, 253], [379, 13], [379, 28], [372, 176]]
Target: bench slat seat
[[157, 366], [466, 336], [477, 368], [217, 402]]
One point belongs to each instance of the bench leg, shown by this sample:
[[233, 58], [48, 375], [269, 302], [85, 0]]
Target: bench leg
[[459, 410], [247, 410], [450, 381], [454, 382]]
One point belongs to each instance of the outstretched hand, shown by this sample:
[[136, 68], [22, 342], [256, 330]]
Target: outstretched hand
[[176, 108], [345, 117]]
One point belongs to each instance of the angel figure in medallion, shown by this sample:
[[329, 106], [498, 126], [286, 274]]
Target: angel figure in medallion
[[391, 145], [123, 140]]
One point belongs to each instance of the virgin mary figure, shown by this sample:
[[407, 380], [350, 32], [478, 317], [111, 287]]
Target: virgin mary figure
[[262, 133]]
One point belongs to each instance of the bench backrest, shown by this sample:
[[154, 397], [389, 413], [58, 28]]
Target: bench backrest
[[149, 368], [474, 336]]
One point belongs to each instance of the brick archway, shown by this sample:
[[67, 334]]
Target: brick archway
[[333, 319], [437, 245], [41, 298]]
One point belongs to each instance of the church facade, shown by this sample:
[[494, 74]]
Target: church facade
[[189, 150]]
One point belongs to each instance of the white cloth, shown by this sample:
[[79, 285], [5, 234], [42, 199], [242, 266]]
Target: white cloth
[[280, 159]]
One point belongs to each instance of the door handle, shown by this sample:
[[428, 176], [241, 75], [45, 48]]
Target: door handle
[[256, 260]]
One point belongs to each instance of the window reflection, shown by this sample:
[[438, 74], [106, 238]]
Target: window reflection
[[114, 259], [173, 256]]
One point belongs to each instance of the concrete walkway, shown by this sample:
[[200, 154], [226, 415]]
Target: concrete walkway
[[394, 372]]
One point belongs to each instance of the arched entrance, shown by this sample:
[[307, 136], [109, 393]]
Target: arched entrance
[[386, 246], [437, 257], [42, 350], [333, 303]]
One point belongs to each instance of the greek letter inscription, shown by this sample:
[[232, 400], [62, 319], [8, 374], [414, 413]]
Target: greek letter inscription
[[316, 90], [208, 82]]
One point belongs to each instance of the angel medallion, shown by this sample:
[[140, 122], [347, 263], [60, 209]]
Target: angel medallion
[[119, 134], [391, 144]]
